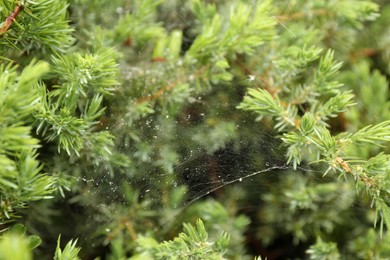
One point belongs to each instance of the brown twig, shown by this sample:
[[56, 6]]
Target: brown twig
[[268, 82], [293, 16], [169, 87], [348, 169], [365, 52], [10, 19]]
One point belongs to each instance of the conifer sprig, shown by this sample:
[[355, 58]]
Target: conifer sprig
[[163, 77]]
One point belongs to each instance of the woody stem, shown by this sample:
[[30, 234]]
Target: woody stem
[[10, 19]]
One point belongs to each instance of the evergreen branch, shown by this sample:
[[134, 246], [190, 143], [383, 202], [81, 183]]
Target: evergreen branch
[[335, 105], [83, 74], [191, 244], [44, 27], [356, 171], [10, 19], [21, 182], [370, 134], [262, 102], [70, 252], [382, 210], [323, 250], [197, 44]]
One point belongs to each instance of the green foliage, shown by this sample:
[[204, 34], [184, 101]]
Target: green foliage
[[69, 112], [193, 243], [323, 250], [367, 86], [300, 205], [323, 98], [15, 245], [21, 178], [41, 27], [126, 113], [218, 218], [70, 251], [370, 245]]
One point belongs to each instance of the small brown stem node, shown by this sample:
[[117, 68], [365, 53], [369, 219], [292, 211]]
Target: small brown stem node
[[10, 19]]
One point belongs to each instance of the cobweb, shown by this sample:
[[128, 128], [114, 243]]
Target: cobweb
[[204, 173], [255, 166]]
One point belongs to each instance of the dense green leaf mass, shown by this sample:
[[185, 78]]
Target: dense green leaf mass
[[263, 125]]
